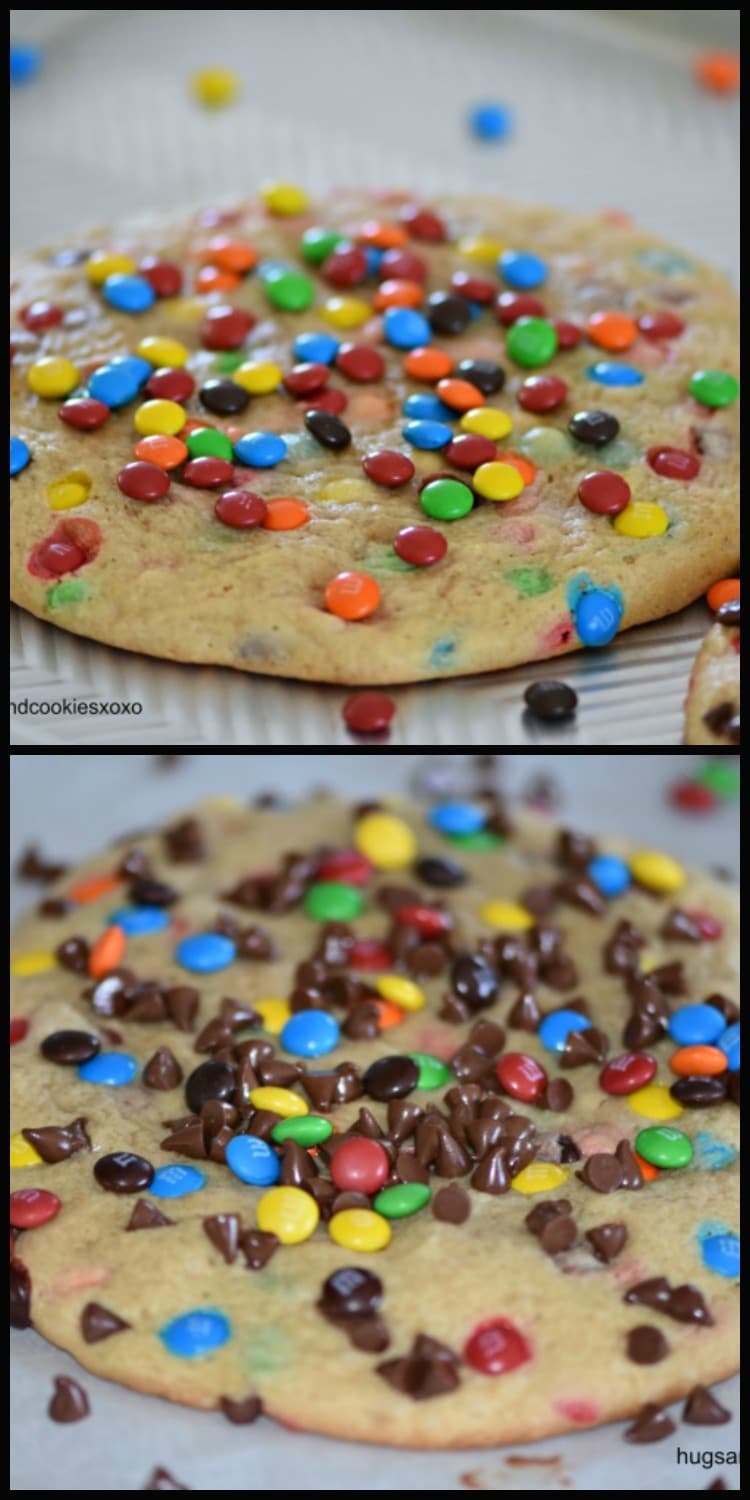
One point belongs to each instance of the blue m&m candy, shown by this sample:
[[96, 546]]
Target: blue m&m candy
[[261, 450], [405, 329], [610, 874], [130, 294], [135, 920], [597, 617], [422, 404], [115, 384], [489, 121], [555, 1029], [729, 1044], [196, 1333], [695, 1025], [205, 952], [20, 455], [316, 348], [310, 1033], [721, 1253], [139, 368], [612, 372], [112, 1069], [252, 1160], [457, 817], [177, 1181], [25, 62], [428, 434], [521, 270]]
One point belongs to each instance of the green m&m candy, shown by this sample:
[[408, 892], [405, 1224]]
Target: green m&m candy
[[720, 778], [481, 840], [401, 1200], [316, 243], [332, 901], [446, 499], [290, 291], [663, 1146], [206, 442], [433, 1074], [306, 1130], [531, 341], [714, 387]]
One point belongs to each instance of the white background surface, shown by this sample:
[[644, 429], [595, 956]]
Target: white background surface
[[608, 115], [71, 805]]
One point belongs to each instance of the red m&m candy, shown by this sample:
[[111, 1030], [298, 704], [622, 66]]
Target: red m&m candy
[[226, 327], [32, 1206], [660, 325], [369, 954], [163, 275], [568, 334], [542, 393], [143, 481], [170, 385], [389, 468], [360, 362], [511, 306], [522, 1076], [369, 712], [207, 473], [604, 493], [19, 1028], [360, 1166], [40, 315], [84, 413], [331, 399], [422, 223], [420, 545], [710, 927], [469, 450], [673, 463], [427, 920], [625, 1074], [240, 509], [692, 796], [348, 866], [496, 1347]]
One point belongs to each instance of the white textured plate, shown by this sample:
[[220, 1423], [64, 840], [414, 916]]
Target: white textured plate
[[606, 117]]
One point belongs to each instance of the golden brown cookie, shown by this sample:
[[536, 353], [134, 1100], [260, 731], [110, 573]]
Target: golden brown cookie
[[712, 707], [625, 368]]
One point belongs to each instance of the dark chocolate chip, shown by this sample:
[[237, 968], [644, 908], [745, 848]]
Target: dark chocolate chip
[[162, 1071], [33, 865], [73, 955], [146, 1216], [602, 1172], [184, 842], [651, 1425], [241, 1413], [69, 1402], [161, 1479], [182, 1002], [20, 1295], [607, 1240], [99, 1322], [223, 1230], [444, 873], [257, 1246], [703, 1410], [429, 1369], [451, 1205], [57, 1142], [557, 1235], [646, 1345], [492, 1175]]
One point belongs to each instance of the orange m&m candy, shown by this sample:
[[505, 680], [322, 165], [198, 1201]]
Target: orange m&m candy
[[231, 255], [427, 364], [166, 452], [719, 71], [213, 279], [382, 236], [648, 1171], [611, 330], [107, 952], [525, 467], [460, 395], [698, 1061], [91, 889], [352, 596], [721, 592], [398, 294], [285, 514], [388, 1014]]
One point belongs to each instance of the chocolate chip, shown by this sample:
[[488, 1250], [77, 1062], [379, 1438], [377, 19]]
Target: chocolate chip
[[123, 1172], [182, 1002], [557, 1096], [581, 892], [408, 1168], [602, 1172], [55, 906], [474, 981], [452, 1160], [724, 721], [727, 1007], [351, 1293], [57, 1142], [161, 1479], [607, 1240], [632, 1176], [646, 1345], [444, 873], [687, 1305], [211, 1080], [540, 900], [70, 1046], [146, 1216], [20, 1295], [557, 1235], [700, 1092], [651, 1425], [369, 1334], [73, 955], [653, 1292], [543, 1213], [99, 1322], [429, 1369], [728, 613], [525, 1014], [582, 1047], [550, 701], [451, 1205], [184, 842], [69, 1402], [33, 865], [488, 1037], [152, 893], [679, 926], [189, 1139], [492, 1175], [703, 1410], [162, 1071], [223, 1230], [258, 1245], [241, 1413], [390, 1078], [328, 430]]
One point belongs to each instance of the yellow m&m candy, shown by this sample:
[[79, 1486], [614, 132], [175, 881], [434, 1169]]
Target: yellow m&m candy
[[163, 351], [289, 1213], [27, 964], [258, 377], [497, 481], [360, 1229], [655, 1102], [509, 916], [163, 417], [104, 263], [387, 841], [284, 198], [402, 992], [22, 1153], [346, 312], [641, 518], [539, 1177], [52, 377], [487, 421], [214, 87], [273, 1013], [657, 872], [280, 1101]]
